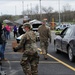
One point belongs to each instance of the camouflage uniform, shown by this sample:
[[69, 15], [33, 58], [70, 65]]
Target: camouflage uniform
[[30, 58], [45, 34]]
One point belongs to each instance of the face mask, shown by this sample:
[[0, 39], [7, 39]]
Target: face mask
[[24, 30]]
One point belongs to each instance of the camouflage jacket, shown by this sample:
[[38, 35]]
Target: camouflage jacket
[[44, 33], [29, 38]]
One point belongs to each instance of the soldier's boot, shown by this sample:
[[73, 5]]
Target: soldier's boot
[[36, 73], [43, 51], [34, 69], [27, 73], [45, 56]]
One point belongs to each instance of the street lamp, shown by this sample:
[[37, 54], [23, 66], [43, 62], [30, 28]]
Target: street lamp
[[31, 9], [23, 8], [15, 10], [59, 11], [40, 11]]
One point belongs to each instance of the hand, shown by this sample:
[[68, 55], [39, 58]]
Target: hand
[[15, 50]]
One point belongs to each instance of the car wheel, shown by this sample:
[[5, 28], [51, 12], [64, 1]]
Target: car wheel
[[58, 29], [70, 54], [55, 48]]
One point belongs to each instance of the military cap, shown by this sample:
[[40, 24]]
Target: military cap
[[44, 20], [27, 25]]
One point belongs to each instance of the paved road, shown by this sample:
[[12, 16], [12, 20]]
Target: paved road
[[55, 65]]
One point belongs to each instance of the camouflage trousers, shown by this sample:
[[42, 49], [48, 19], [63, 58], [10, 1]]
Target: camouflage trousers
[[44, 47], [30, 64]]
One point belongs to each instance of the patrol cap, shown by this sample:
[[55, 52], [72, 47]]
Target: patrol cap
[[27, 25], [44, 20]]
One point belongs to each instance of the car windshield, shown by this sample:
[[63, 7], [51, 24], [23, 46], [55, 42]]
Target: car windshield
[[69, 32]]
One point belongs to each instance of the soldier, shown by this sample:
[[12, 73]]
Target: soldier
[[30, 58], [44, 34]]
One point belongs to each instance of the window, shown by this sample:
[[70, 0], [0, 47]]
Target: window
[[68, 32], [73, 31], [64, 25], [60, 25]]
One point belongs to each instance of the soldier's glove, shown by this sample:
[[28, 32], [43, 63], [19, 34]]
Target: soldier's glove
[[15, 50]]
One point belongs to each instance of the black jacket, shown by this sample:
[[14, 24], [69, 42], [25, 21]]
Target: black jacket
[[1, 41], [20, 30]]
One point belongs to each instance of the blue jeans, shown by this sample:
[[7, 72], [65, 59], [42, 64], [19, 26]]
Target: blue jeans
[[8, 35], [1, 52], [2, 49]]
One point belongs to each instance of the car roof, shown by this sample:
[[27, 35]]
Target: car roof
[[72, 25]]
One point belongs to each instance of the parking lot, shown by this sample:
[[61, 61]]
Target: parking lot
[[57, 64]]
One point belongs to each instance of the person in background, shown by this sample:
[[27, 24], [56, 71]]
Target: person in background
[[4, 30], [44, 34], [4, 40], [15, 31], [30, 58], [2, 43], [8, 29], [20, 30]]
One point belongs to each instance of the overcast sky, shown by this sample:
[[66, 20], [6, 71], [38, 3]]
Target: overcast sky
[[15, 7]]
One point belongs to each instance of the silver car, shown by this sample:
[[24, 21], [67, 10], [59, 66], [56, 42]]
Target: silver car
[[61, 27]]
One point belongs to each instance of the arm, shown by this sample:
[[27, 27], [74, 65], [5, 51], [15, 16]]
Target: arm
[[21, 44]]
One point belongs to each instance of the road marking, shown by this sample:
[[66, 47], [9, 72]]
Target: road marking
[[48, 62], [15, 71], [9, 65], [70, 67], [13, 53], [41, 62]]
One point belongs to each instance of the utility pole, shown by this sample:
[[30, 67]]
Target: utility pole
[[31, 9], [23, 8], [27, 10], [1, 13], [15, 10], [59, 12], [40, 11]]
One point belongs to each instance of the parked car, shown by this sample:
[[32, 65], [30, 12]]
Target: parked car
[[65, 42], [35, 29], [61, 27], [19, 38], [35, 24]]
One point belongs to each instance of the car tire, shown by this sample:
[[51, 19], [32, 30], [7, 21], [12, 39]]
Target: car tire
[[55, 48], [70, 55], [58, 29]]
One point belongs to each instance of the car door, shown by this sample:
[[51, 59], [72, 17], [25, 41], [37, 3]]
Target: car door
[[65, 39], [58, 42]]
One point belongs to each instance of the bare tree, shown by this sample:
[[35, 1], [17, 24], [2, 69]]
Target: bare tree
[[66, 16], [67, 7], [48, 12]]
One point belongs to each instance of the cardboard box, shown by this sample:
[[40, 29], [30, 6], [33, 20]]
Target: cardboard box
[[14, 44]]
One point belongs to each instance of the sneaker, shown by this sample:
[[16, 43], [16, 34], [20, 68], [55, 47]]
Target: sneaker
[[4, 59], [45, 58]]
